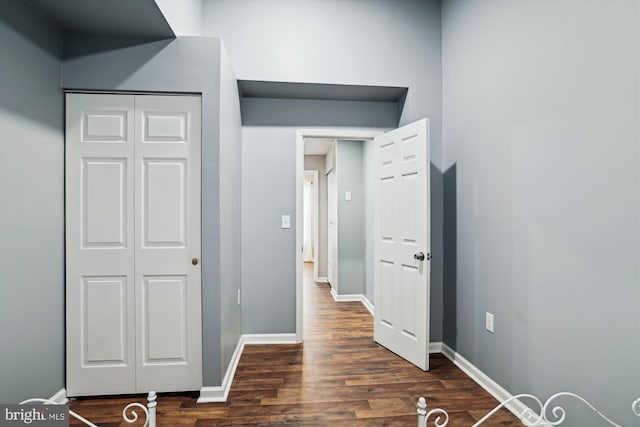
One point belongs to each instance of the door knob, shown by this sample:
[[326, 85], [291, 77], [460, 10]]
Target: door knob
[[419, 256], [194, 261]]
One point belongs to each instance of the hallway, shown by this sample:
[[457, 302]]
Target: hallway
[[338, 377]]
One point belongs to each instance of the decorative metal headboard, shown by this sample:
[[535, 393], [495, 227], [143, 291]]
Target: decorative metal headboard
[[129, 413], [548, 416]]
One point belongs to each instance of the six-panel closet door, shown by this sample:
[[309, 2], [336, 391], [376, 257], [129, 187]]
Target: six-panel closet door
[[133, 243]]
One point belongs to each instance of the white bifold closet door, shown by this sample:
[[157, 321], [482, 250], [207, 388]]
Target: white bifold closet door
[[133, 243]]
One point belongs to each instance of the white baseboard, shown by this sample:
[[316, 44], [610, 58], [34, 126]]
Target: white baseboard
[[221, 392], [346, 298], [60, 397], [213, 394], [269, 338], [435, 347], [322, 280], [353, 298], [483, 380], [367, 304]]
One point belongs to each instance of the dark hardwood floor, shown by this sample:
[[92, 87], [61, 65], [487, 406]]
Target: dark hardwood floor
[[338, 377]]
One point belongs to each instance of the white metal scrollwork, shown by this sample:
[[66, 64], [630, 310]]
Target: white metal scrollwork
[[550, 414], [129, 413], [635, 407], [423, 415]]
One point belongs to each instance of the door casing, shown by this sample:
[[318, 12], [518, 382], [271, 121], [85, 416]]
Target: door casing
[[332, 133], [316, 220]]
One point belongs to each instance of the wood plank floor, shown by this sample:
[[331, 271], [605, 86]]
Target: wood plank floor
[[337, 377]]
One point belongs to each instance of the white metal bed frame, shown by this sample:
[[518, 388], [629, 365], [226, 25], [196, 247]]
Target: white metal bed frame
[[129, 413], [549, 415]]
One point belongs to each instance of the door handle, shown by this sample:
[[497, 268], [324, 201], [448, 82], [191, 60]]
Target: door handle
[[194, 261], [419, 256]]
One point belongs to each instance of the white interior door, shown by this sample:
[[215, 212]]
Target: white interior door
[[167, 241], [132, 230], [402, 237], [99, 245], [332, 229]]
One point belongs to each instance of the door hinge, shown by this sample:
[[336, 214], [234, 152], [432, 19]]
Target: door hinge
[[429, 256]]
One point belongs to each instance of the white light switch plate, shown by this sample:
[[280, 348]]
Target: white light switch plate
[[489, 322], [286, 221], [347, 195]]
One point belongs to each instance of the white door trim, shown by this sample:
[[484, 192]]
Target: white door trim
[[316, 220], [364, 134]]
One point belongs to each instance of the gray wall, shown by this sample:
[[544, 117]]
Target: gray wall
[[230, 208], [268, 251], [543, 196], [318, 163], [31, 206], [289, 41], [351, 224], [186, 64], [184, 16]]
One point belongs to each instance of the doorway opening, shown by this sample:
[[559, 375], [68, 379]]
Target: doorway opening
[[400, 226], [321, 142]]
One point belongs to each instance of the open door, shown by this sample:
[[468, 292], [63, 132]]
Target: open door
[[402, 242]]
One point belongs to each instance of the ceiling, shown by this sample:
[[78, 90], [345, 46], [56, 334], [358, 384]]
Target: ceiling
[[317, 146], [123, 18]]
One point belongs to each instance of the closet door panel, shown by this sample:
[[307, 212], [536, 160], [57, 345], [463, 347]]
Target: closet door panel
[[99, 244], [133, 244], [167, 243]]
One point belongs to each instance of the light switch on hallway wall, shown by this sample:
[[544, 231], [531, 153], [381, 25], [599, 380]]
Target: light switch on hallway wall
[[347, 195], [286, 221]]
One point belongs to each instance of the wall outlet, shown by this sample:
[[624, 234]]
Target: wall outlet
[[238, 296], [489, 322]]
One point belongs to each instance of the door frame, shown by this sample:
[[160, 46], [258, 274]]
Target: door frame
[[362, 134], [316, 211]]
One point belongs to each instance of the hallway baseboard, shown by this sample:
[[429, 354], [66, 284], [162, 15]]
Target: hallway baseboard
[[269, 339], [221, 393], [368, 304], [353, 298]]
